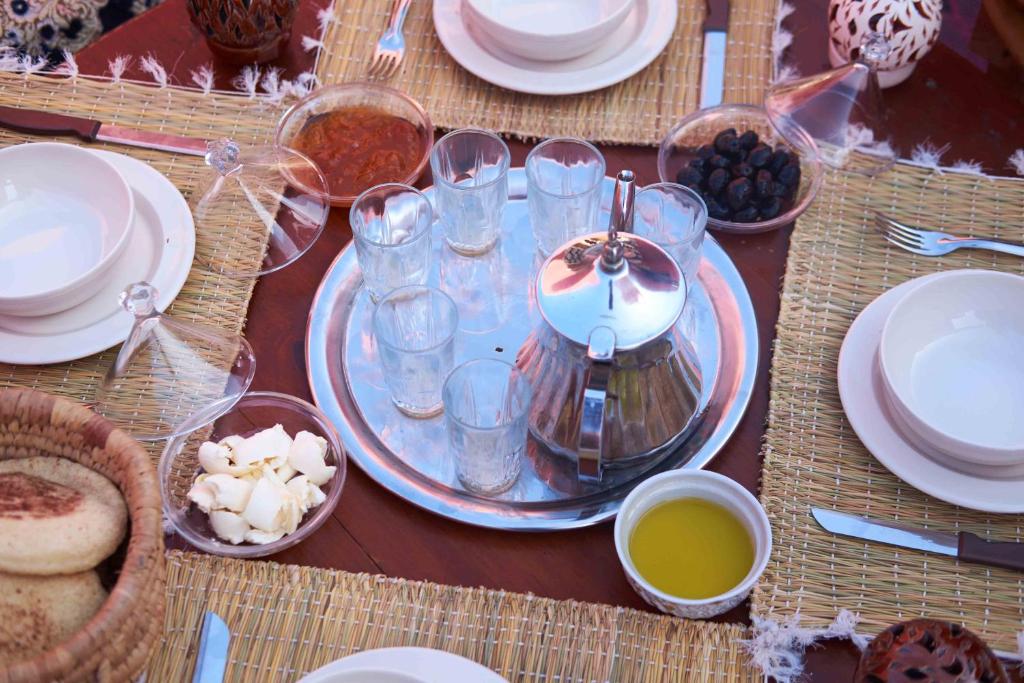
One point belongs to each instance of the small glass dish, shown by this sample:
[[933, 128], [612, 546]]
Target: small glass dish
[[255, 411], [699, 128], [330, 98]]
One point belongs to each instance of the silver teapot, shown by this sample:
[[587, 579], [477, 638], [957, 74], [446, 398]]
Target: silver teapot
[[614, 382]]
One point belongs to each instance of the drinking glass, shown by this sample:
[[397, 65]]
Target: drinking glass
[[563, 190], [486, 404], [674, 217], [415, 331], [470, 168], [391, 226]]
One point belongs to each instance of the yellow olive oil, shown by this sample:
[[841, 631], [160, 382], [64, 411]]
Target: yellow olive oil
[[691, 548]]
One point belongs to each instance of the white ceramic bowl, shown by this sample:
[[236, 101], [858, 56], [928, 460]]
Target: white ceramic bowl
[[952, 363], [547, 30], [710, 486], [65, 218]]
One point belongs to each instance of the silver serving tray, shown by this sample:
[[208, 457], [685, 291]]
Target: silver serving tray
[[409, 457]]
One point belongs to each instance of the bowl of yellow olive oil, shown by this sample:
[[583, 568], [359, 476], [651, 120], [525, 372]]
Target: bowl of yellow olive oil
[[692, 543]]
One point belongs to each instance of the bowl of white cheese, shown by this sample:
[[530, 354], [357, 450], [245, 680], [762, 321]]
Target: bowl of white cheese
[[261, 478]]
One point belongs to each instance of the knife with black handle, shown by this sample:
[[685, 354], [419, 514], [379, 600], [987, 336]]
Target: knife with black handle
[[964, 545]]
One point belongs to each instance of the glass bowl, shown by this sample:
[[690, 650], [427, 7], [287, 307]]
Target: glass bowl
[[681, 143], [255, 411], [333, 97]]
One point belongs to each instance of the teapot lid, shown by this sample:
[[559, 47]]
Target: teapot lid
[[618, 281]]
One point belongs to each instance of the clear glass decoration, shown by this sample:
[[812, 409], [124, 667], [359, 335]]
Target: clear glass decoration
[[171, 376], [258, 209], [842, 110]]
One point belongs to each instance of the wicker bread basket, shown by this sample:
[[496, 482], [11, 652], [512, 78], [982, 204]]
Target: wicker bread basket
[[116, 643]]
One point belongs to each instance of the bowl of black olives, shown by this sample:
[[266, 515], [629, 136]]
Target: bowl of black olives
[[752, 176]]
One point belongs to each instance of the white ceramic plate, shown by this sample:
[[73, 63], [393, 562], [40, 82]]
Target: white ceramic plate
[[393, 664], [861, 392], [635, 44], [160, 252]]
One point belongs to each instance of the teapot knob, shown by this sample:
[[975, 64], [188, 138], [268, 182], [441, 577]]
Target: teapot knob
[[621, 219]]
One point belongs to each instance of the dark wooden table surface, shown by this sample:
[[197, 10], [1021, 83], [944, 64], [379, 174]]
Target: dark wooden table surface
[[965, 93]]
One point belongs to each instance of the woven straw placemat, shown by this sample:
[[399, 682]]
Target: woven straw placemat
[[639, 110], [837, 265], [206, 297], [287, 620]]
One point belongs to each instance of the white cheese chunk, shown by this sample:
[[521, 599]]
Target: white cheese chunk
[[269, 445], [307, 456], [215, 458], [230, 493], [263, 537], [203, 495], [229, 526], [264, 508]]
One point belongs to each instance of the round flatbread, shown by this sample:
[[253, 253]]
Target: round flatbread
[[38, 612], [56, 516]]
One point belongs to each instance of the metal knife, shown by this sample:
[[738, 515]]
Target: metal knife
[[712, 75], [213, 650], [963, 546], [48, 123]]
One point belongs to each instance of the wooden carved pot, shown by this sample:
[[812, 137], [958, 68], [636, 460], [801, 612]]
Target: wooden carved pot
[[244, 31]]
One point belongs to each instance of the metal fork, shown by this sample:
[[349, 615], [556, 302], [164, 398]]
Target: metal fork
[[933, 243], [391, 46]]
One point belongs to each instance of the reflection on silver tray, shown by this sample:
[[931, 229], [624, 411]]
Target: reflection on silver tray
[[493, 292]]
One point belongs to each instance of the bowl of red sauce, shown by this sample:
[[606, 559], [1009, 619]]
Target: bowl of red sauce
[[360, 135]]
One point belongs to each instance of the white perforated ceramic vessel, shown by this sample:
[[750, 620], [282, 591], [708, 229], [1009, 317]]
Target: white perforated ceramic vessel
[[693, 484]]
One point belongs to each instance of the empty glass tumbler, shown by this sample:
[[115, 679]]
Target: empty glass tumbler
[[563, 190], [486, 404], [674, 217], [391, 227], [470, 168], [415, 331]]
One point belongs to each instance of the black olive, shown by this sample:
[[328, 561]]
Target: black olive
[[715, 209], [719, 161], [689, 176], [747, 215], [705, 152], [771, 208], [738, 193], [728, 130], [748, 140], [763, 183], [699, 164], [727, 143], [759, 155], [779, 190], [779, 159], [790, 174], [742, 170], [717, 181]]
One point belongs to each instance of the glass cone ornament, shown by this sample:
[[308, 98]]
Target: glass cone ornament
[[171, 376], [258, 209], [842, 110]]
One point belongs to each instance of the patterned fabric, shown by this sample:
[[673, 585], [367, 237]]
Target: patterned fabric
[[45, 27]]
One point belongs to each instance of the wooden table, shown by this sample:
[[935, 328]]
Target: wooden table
[[949, 99]]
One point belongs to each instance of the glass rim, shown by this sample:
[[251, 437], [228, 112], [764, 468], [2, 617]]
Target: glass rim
[[514, 372], [677, 188], [426, 289], [416, 236], [578, 141], [506, 160]]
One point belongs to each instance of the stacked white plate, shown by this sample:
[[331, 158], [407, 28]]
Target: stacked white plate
[[76, 227], [554, 47], [931, 376]]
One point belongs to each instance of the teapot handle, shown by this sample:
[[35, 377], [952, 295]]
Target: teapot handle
[[589, 447]]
